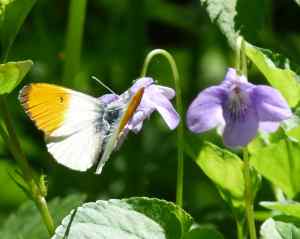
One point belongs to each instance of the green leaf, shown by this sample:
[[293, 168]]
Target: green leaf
[[280, 163], [290, 208], [27, 222], [272, 229], [225, 169], [127, 218], [235, 17], [12, 73], [204, 233], [13, 17], [277, 71]]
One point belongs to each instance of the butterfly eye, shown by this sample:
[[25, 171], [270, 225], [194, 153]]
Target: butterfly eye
[[112, 115]]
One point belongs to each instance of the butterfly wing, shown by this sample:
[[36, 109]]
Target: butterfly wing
[[116, 130], [72, 123]]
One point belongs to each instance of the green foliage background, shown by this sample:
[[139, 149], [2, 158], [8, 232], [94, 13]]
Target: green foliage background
[[117, 36]]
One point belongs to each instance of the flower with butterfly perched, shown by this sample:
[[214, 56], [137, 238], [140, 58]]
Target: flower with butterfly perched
[[238, 108], [155, 97]]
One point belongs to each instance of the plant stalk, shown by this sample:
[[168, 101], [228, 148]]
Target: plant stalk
[[10, 137], [180, 129], [249, 195], [240, 229], [77, 12], [241, 58]]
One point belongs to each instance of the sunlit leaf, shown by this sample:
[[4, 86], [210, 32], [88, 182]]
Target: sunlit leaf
[[290, 208], [13, 17], [128, 218], [225, 169], [12, 73], [203, 233], [27, 222], [3, 5], [278, 74], [280, 163], [272, 229]]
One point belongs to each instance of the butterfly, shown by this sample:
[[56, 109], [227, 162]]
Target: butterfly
[[78, 127]]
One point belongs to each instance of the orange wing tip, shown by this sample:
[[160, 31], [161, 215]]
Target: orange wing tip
[[24, 94], [45, 104]]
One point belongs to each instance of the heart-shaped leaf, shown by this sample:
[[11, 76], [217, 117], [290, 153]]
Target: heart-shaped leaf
[[280, 163], [133, 218], [225, 169]]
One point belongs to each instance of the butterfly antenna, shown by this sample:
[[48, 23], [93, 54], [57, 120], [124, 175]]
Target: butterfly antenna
[[101, 83]]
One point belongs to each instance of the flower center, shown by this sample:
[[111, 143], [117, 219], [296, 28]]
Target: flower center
[[238, 102]]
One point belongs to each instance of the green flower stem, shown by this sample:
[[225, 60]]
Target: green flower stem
[[180, 142], [240, 229], [241, 58], [77, 12], [249, 195], [12, 141]]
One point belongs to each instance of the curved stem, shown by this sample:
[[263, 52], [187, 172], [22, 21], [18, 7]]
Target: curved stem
[[10, 137], [249, 195], [180, 167]]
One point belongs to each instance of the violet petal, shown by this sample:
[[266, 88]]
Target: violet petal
[[268, 127], [270, 104], [240, 132], [152, 98], [166, 91], [108, 98], [141, 82], [232, 77], [205, 112], [138, 117]]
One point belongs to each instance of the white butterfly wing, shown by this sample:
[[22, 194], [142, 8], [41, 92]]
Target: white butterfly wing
[[71, 121]]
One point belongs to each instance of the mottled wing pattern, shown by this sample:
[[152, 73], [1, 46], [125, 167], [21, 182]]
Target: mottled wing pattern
[[128, 105]]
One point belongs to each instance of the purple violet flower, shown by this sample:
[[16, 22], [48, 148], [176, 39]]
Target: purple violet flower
[[155, 97], [238, 108]]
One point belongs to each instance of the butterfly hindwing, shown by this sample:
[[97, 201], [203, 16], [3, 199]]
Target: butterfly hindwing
[[130, 104]]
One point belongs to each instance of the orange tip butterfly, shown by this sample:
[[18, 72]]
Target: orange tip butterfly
[[78, 127]]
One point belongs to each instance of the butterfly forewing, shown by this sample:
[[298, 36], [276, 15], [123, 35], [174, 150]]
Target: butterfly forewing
[[70, 120], [78, 127]]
